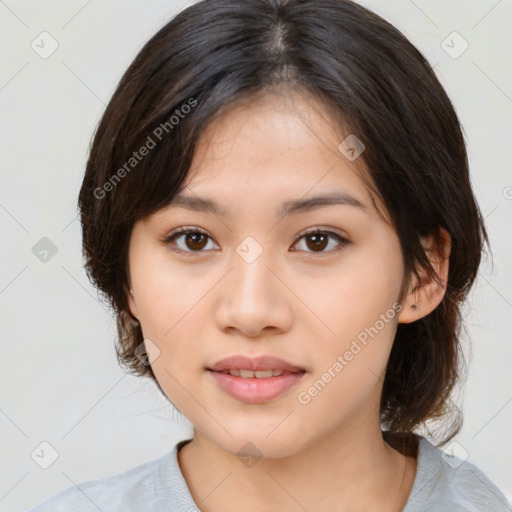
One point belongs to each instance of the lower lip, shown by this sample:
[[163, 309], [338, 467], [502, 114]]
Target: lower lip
[[253, 390]]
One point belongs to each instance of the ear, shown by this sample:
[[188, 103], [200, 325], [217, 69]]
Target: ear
[[131, 302], [425, 294]]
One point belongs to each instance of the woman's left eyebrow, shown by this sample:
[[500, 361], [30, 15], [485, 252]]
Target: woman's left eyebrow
[[296, 206], [304, 205]]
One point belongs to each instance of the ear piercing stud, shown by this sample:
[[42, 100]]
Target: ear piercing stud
[[413, 306]]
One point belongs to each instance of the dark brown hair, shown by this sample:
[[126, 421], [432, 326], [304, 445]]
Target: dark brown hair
[[217, 52]]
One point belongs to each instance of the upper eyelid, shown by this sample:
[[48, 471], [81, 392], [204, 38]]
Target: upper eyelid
[[183, 230]]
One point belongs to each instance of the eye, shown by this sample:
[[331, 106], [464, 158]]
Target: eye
[[192, 240], [318, 240]]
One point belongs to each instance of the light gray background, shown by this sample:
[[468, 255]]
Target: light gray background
[[59, 375]]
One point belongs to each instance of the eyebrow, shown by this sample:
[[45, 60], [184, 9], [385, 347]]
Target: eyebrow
[[203, 204]]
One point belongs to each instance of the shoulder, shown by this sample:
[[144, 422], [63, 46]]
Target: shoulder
[[134, 489], [448, 483]]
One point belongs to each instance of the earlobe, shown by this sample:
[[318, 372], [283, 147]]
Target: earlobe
[[424, 296], [410, 311]]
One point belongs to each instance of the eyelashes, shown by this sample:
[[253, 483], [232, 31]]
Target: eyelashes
[[183, 233], [200, 240]]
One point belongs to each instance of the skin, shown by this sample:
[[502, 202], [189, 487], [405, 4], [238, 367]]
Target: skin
[[299, 303]]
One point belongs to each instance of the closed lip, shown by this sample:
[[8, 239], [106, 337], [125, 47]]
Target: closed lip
[[259, 363]]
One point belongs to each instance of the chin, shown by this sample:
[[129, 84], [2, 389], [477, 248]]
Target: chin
[[252, 440]]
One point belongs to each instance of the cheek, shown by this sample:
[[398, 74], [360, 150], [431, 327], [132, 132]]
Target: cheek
[[175, 314], [348, 373], [364, 286], [167, 293], [359, 306]]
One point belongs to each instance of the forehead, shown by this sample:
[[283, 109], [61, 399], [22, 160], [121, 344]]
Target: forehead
[[270, 156], [272, 144]]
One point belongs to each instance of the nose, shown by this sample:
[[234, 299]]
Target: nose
[[254, 299]]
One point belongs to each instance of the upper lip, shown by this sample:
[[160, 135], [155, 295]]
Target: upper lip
[[264, 362]]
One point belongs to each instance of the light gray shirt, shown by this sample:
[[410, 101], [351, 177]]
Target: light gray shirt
[[442, 483]]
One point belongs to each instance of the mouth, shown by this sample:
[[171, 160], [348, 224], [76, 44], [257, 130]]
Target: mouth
[[255, 380], [259, 374], [263, 363]]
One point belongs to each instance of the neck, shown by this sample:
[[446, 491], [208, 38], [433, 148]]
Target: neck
[[348, 470]]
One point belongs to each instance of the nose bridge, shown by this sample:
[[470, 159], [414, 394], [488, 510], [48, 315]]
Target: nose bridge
[[253, 298], [251, 273]]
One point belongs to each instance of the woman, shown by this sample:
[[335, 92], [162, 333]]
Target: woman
[[278, 206]]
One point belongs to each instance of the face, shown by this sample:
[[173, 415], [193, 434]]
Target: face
[[315, 285]]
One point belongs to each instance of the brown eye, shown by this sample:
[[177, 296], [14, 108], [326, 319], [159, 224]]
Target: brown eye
[[188, 240], [317, 241], [195, 241]]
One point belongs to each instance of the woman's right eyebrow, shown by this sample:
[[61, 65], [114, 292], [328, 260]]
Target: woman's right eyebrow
[[290, 207]]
